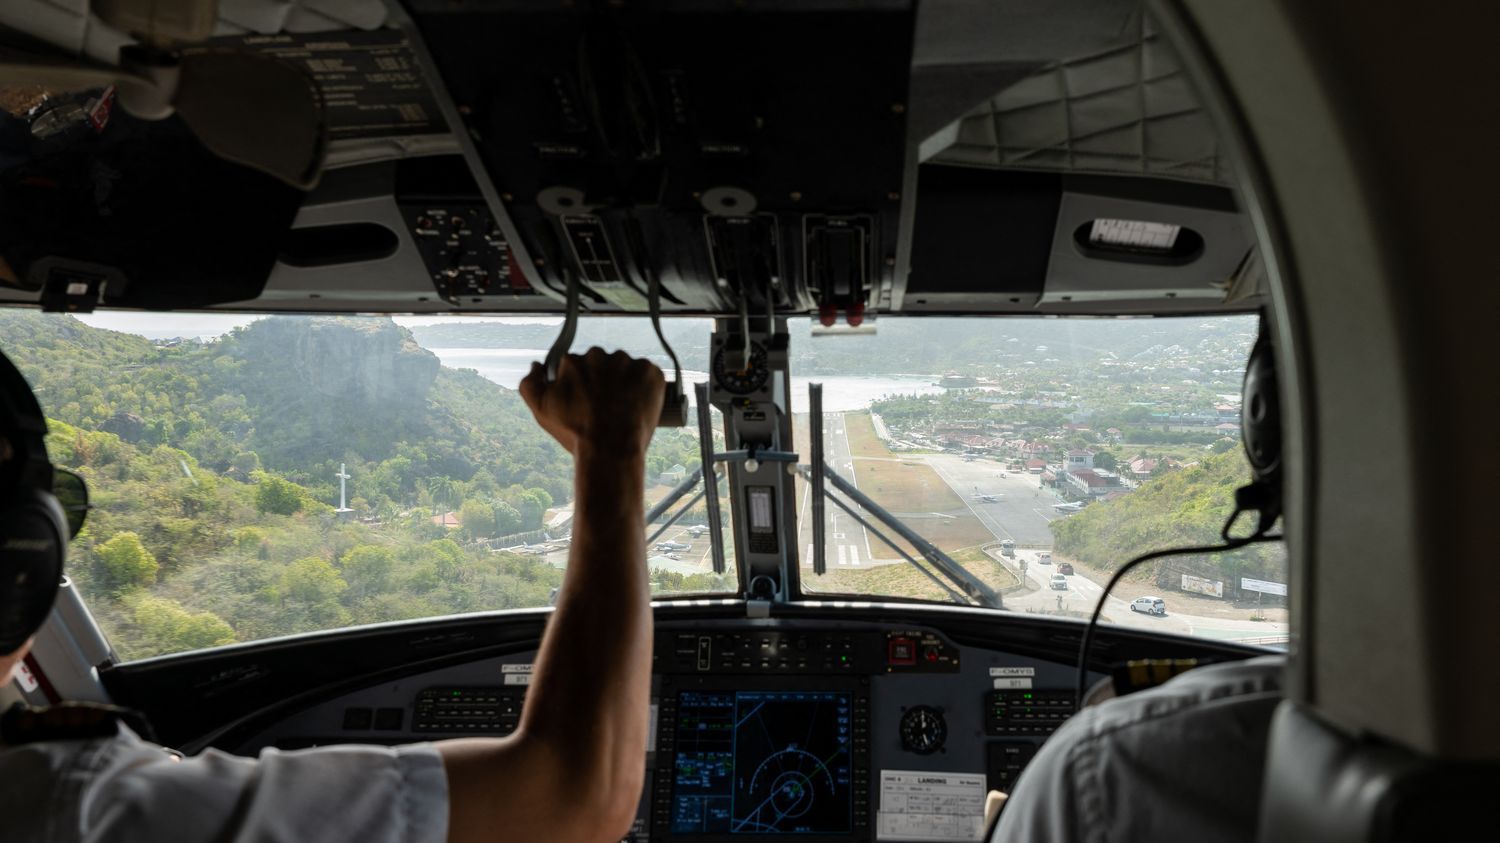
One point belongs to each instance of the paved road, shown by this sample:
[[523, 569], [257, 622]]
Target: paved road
[[1020, 511], [848, 541], [1083, 594]]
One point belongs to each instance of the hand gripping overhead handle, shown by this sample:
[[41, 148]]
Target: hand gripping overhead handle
[[674, 402]]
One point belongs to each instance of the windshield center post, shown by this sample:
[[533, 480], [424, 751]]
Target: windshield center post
[[751, 385]]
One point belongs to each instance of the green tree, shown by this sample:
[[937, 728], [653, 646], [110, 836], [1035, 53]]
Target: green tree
[[507, 519], [127, 562], [367, 568], [442, 490], [446, 555], [477, 518], [166, 627], [277, 495], [245, 463], [312, 580], [1106, 461]]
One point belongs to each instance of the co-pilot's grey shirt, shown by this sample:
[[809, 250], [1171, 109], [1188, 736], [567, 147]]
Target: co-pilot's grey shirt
[[124, 789], [1182, 761]]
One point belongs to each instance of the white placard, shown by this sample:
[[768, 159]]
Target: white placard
[[516, 674], [1012, 671], [651, 730], [1263, 586], [25, 677], [917, 805], [1012, 682]]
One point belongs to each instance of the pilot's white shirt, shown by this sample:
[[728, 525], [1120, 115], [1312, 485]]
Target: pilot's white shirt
[[126, 789], [1182, 761]]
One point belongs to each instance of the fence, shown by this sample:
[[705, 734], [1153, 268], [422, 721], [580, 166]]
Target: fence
[[501, 542]]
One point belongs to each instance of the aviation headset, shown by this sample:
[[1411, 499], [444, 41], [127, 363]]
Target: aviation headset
[[33, 528], [1260, 426]]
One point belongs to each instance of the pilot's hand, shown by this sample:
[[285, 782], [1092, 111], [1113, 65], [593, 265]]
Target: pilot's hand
[[608, 401]]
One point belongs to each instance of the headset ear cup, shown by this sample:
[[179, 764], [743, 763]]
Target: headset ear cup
[[33, 542], [1260, 414]]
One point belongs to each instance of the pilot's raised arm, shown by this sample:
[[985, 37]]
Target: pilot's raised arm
[[572, 771], [574, 768]]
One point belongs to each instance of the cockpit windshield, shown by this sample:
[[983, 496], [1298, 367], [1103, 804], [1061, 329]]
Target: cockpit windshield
[[262, 476]]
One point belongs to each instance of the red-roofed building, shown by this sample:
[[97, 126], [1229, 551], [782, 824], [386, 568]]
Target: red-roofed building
[[447, 519], [1087, 481], [1036, 466]]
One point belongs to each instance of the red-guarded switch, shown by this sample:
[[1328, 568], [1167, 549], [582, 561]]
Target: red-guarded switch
[[901, 651]]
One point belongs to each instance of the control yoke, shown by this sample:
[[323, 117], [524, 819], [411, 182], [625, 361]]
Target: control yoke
[[674, 401]]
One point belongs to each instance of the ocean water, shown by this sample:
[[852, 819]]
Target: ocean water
[[841, 393]]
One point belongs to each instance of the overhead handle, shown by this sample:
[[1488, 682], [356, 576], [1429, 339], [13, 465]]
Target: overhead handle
[[674, 403], [564, 340]]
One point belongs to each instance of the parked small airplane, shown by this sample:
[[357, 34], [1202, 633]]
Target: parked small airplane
[[979, 496], [1068, 507], [664, 546]]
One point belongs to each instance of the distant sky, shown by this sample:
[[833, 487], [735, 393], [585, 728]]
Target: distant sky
[[166, 325]]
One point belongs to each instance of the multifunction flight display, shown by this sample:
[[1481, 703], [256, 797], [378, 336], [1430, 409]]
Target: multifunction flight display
[[764, 762]]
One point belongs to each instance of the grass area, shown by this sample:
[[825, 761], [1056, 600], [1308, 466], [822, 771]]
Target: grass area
[[909, 487], [883, 580], [902, 487], [994, 574], [949, 534], [862, 439], [925, 503], [906, 581]]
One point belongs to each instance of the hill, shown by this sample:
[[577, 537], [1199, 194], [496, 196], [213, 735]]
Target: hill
[[211, 467], [1182, 508], [295, 395]]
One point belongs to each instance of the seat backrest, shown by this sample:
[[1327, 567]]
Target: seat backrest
[[1327, 786]]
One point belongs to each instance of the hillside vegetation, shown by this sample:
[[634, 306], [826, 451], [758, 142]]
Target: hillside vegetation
[[212, 469], [1185, 507]]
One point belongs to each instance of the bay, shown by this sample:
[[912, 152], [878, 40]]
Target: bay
[[841, 393]]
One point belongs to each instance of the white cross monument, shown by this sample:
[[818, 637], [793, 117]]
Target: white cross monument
[[343, 477]]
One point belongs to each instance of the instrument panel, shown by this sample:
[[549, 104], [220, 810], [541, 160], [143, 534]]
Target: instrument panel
[[818, 730]]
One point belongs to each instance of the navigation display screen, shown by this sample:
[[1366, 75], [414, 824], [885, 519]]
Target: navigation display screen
[[763, 762]]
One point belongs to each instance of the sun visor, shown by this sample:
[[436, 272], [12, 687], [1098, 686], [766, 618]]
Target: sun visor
[[98, 207]]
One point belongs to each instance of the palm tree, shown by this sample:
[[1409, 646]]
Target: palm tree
[[441, 490]]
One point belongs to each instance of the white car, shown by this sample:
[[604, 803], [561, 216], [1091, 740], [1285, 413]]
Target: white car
[[1149, 605], [1059, 582], [1044, 558]]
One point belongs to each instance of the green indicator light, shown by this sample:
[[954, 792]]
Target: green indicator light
[[843, 658], [1027, 696]]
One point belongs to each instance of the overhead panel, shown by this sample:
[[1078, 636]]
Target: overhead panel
[[1126, 109], [734, 151]]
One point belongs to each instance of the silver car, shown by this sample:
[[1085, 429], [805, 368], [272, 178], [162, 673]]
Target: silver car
[[1149, 605]]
